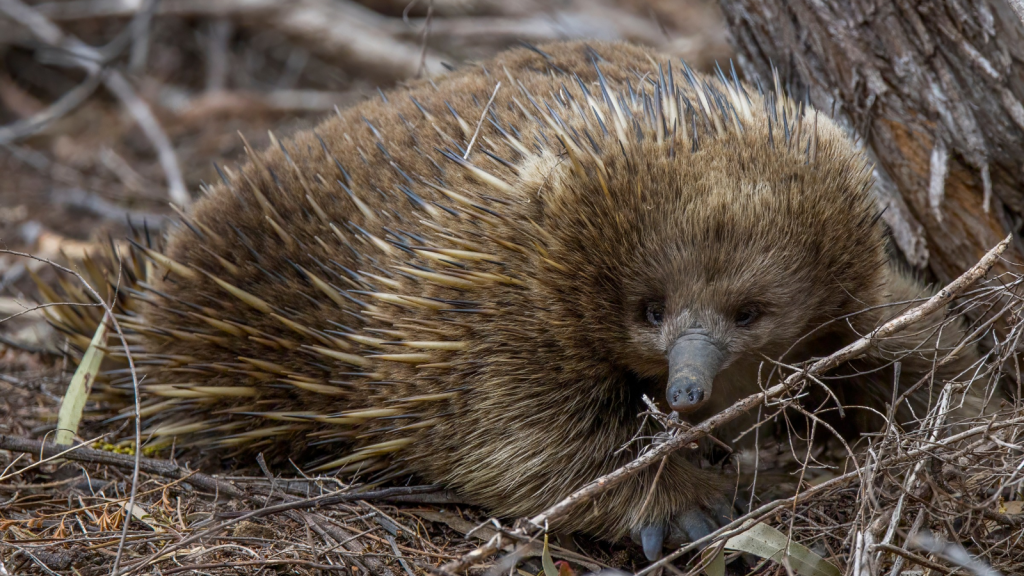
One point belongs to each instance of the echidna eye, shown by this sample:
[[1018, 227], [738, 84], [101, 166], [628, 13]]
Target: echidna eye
[[655, 312], [746, 317]]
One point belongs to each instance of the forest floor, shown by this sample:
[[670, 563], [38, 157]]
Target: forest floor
[[74, 176]]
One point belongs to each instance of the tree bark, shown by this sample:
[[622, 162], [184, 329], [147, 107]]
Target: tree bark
[[933, 87]]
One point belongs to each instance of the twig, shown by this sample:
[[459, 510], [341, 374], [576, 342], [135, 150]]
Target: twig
[[684, 438], [37, 122], [654, 486], [11, 380], [426, 32], [97, 205], [218, 55], [398, 554], [140, 28], [915, 558], [735, 526], [137, 107], [258, 563], [483, 115], [953, 553], [349, 543], [339, 497], [338, 29], [80, 453], [56, 451]]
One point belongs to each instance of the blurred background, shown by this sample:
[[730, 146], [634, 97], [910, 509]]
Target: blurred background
[[82, 152]]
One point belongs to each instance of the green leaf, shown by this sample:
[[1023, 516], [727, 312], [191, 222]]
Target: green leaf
[[762, 540], [80, 387], [716, 567], [546, 561]]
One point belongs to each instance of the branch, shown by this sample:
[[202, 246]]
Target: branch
[[37, 122], [108, 313], [915, 558], [151, 465], [762, 512]]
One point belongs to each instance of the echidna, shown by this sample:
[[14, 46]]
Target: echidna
[[477, 283]]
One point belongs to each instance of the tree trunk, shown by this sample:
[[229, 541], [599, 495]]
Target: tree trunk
[[934, 87]]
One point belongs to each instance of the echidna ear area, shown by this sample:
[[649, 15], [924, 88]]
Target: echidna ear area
[[222, 360]]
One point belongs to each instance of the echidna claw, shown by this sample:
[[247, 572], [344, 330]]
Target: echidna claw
[[684, 527], [696, 523], [653, 539]]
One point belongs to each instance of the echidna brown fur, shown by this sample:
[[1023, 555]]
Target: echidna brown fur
[[385, 294]]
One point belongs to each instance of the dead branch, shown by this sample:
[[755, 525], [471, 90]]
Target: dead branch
[[735, 527], [915, 558], [39, 121], [150, 465], [258, 564], [101, 207], [108, 315]]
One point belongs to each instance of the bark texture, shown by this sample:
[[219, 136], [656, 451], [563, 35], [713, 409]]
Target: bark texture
[[934, 87]]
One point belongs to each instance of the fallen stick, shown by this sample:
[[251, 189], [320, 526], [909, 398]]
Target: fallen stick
[[150, 465], [691, 435]]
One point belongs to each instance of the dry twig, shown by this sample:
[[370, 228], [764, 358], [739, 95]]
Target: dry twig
[[80, 453], [319, 501]]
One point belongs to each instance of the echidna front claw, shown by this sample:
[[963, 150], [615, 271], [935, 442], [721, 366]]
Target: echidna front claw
[[696, 523], [686, 526], [653, 539]]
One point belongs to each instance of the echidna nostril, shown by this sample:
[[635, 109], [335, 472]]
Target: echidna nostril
[[695, 394]]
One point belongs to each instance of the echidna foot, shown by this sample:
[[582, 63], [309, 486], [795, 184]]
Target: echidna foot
[[687, 526], [652, 538]]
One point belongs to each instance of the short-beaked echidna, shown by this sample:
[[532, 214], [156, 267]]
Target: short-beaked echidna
[[476, 284]]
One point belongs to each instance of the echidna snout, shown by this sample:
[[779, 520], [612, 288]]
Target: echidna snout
[[693, 362]]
